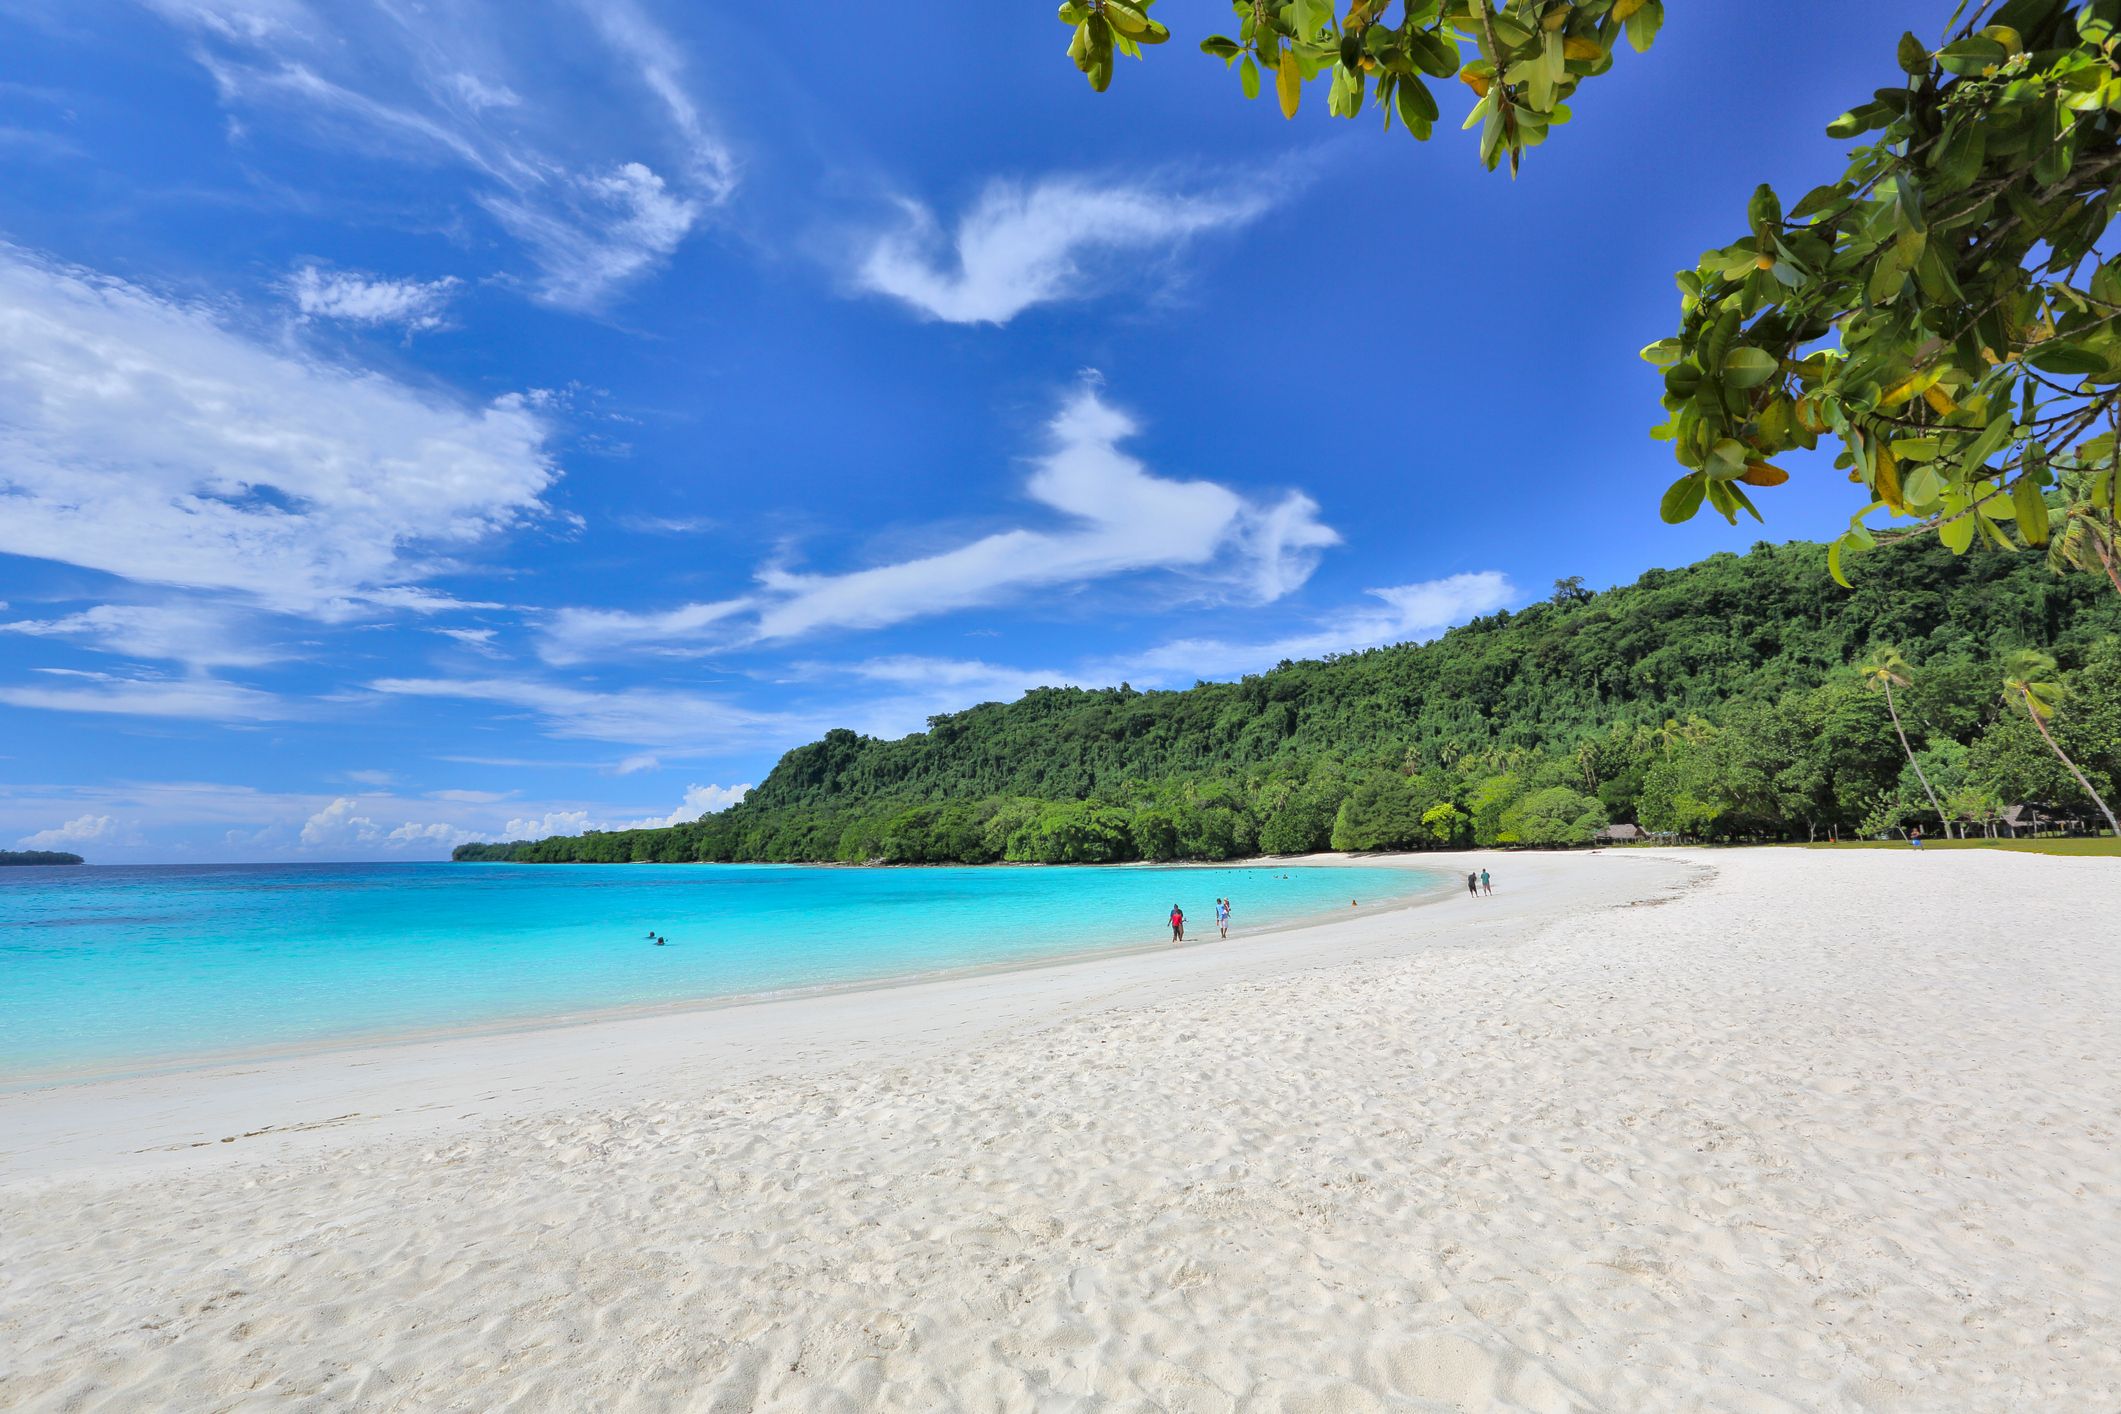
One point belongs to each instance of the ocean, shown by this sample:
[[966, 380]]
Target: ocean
[[124, 969]]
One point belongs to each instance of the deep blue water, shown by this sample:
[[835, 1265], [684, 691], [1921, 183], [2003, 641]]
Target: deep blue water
[[119, 968]]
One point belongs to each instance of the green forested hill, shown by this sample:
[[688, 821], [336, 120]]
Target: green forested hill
[[1720, 699]]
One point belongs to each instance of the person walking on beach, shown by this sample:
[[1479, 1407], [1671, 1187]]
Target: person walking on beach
[[1487, 885], [1473, 885], [1222, 916], [1178, 924]]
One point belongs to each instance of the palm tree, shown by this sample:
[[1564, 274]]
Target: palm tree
[[1887, 669], [2029, 681], [2087, 545]]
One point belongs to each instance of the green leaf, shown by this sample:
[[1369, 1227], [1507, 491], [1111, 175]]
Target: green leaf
[[1432, 53], [2032, 509], [1663, 352], [1914, 55], [1992, 440], [1860, 120], [1833, 563], [1764, 211], [1748, 367], [2058, 357], [1643, 25], [1970, 55], [1248, 76], [1817, 200], [1417, 106], [1683, 498], [1727, 460]]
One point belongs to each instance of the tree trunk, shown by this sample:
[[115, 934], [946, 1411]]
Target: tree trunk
[[1942, 818], [2097, 799]]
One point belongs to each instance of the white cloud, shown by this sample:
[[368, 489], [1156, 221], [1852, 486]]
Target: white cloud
[[630, 716], [188, 631], [84, 829], [1119, 518], [340, 825], [643, 761], [601, 176], [1020, 246], [575, 635], [552, 822], [206, 698], [413, 305], [478, 640], [699, 800], [142, 438]]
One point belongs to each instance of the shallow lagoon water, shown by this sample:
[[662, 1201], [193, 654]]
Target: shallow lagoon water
[[117, 968]]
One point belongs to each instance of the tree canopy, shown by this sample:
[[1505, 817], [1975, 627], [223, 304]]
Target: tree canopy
[[1726, 700]]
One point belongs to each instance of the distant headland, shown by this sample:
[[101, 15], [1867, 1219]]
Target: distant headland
[[38, 856]]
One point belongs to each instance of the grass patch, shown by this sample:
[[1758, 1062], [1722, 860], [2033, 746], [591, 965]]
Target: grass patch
[[2104, 845]]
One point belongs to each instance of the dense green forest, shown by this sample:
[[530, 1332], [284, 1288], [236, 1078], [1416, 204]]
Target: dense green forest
[[1722, 701], [38, 856]]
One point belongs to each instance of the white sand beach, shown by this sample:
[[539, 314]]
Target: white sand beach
[[1750, 1131]]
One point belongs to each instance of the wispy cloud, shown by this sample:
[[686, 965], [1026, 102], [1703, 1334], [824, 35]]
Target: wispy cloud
[[597, 230], [1023, 245], [143, 438], [660, 67], [1403, 613], [630, 716], [415, 306], [1117, 518], [109, 694], [598, 194], [199, 634]]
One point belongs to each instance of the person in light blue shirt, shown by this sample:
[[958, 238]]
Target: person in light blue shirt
[[1222, 916]]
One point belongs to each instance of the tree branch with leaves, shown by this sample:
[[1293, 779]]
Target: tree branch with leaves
[[1942, 310], [1527, 60]]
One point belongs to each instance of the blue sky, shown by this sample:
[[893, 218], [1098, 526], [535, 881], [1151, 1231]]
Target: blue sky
[[421, 422]]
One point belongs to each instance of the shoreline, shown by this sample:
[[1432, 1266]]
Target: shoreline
[[216, 1094], [63, 1077]]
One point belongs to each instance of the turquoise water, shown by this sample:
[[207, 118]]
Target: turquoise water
[[131, 968]]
